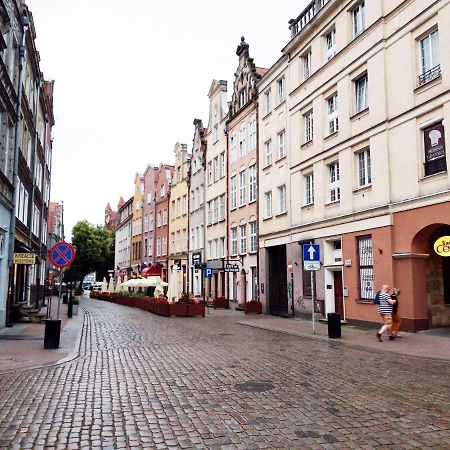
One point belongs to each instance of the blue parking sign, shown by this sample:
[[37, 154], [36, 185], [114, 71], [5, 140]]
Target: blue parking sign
[[208, 272]]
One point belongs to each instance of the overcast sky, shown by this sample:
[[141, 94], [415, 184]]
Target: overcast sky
[[130, 77]]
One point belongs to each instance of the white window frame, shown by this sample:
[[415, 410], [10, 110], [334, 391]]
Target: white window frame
[[222, 207], [233, 192], [222, 171], [358, 19], [267, 205], [242, 140], [281, 90], [307, 64], [309, 188], [252, 133], [267, 101], [364, 169], [308, 124], [330, 44], [253, 237], [268, 153], [234, 241], [252, 191], [333, 119], [233, 147], [361, 93], [243, 239], [281, 144], [242, 188], [334, 180], [429, 57], [282, 199]]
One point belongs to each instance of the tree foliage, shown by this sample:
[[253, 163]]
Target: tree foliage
[[94, 251]]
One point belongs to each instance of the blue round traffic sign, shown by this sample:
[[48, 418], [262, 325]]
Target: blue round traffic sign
[[62, 254]]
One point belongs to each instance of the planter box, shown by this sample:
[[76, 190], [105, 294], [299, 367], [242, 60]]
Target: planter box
[[253, 308], [196, 309], [162, 309], [221, 303], [179, 309]]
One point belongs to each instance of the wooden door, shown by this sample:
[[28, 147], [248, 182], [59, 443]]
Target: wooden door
[[338, 295]]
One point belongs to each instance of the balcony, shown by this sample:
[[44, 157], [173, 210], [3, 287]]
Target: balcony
[[297, 25], [429, 75]]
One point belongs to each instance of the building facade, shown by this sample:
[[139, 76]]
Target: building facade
[[148, 214], [122, 255], [179, 218], [197, 210], [242, 179], [136, 229], [366, 106], [216, 190], [165, 174]]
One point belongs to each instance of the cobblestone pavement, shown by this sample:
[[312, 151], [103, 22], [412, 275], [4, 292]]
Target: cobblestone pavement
[[144, 381]]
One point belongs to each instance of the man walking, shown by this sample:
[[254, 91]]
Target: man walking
[[385, 310]]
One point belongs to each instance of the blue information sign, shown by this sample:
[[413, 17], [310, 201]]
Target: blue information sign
[[311, 252]]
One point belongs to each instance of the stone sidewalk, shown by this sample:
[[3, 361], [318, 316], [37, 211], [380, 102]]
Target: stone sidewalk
[[24, 346]]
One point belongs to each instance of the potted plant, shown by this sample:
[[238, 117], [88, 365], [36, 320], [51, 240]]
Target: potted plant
[[253, 307]]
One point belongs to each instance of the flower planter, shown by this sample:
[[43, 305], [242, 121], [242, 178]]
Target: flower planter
[[179, 309], [253, 307], [75, 310], [221, 303], [196, 309]]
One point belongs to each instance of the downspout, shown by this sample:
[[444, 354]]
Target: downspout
[[257, 197], [15, 177]]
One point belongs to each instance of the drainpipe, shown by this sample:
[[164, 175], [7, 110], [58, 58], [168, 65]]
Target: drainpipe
[[15, 178]]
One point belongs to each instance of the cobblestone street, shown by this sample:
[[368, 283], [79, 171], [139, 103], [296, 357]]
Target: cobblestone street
[[144, 381]]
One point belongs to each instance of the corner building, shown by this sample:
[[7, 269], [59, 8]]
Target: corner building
[[367, 109]]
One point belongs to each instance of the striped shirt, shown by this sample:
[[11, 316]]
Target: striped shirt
[[384, 307]]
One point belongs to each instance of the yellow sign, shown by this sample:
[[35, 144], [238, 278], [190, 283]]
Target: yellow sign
[[442, 246], [24, 258]]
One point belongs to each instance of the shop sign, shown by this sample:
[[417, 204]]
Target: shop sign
[[24, 258], [442, 246], [434, 142]]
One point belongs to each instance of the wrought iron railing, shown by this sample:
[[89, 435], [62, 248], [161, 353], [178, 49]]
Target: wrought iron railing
[[429, 75]]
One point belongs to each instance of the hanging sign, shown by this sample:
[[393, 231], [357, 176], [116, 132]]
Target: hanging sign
[[24, 258], [442, 246]]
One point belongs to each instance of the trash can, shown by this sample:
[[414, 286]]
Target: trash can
[[334, 325], [52, 333], [69, 309]]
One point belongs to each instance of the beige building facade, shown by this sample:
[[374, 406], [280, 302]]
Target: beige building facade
[[366, 115], [136, 230], [178, 213], [216, 190]]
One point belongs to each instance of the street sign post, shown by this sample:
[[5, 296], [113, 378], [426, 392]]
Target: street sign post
[[311, 262]]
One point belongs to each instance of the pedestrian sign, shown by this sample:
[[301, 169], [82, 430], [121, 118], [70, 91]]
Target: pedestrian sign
[[208, 272], [311, 256], [62, 254]]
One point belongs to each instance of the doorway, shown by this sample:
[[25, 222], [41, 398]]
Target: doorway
[[277, 280], [338, 294]]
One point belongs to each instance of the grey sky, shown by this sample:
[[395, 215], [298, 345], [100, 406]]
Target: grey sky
[[130, 77]]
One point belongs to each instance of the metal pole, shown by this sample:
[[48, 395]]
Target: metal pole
[[312, 302], [60, 291]]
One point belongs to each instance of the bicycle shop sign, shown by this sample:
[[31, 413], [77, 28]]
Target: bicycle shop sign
[[442, 246]]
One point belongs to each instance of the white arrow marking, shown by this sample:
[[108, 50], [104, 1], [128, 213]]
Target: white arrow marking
[[311, 252]]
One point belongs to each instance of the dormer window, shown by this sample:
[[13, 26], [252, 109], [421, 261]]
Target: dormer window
[[242, 98]]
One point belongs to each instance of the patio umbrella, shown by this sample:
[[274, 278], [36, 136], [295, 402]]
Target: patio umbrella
[[143, 282], [104, 285], [174, 288], [119, 284], [111, 285]]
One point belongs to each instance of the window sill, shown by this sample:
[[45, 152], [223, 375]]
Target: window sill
[[367, 187], [266, 167], [331, 135], [360, 114], [280, 214], [308, 206], [307, 144], [334, 203], [266, 115], [280, 104], [252, 201], [365, 302], [427, 85], [267, 218], [281, 159], [433, 176]]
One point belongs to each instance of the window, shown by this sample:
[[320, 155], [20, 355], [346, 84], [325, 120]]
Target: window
[[365, 260], [306, 60], [267, 153], [172, 212], [242, 98], [150, 247], [429, 58], [242, 140], [222, 247], [216, 168], [242, 188], [158, 219], [222, 207], [358, 19], [308, 124], [330, 44], [281, 90], [267, 101], [210, 173], [253, 237], [282, 199], [361, 94], [162, 190], [146, 225], [434, 145], [158, 246], [210, 213], [335, 190], [216, 132], [185, 206], [243, 238], [178, 207], [364, 171], [309, 189], [233, 146], [164, 245], [268, 205], [164, 217], [252, 183], [234, 245], [151, 220], [252, 131], [215, 203], [333, 120], [179, 174], [233, 192], [222, 165], [282, 144]]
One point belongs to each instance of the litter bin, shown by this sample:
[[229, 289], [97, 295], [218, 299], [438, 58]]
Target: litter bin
[[334, 325], [52, 333]]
